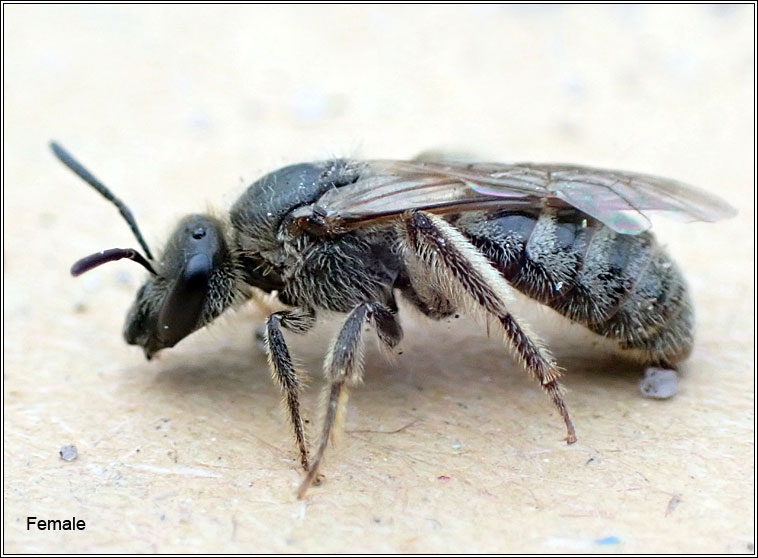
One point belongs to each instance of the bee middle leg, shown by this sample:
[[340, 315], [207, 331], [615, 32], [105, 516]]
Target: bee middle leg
[[343, 366], [282, 370], [456, 265]]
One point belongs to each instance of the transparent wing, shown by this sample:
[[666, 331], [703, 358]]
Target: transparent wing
[[619, 199]]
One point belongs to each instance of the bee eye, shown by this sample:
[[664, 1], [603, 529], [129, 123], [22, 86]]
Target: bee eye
[[184, 304]]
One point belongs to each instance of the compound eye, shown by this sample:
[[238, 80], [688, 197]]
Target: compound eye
[[182, 310]]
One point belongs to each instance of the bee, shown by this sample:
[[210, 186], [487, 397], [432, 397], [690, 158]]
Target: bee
[[351, 236]]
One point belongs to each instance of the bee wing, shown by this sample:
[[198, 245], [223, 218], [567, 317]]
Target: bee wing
[[618, 199]]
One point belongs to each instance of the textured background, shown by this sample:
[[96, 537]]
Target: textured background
[[451, 448]]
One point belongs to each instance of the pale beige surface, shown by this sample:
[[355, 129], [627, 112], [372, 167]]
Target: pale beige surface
[[174, 107]]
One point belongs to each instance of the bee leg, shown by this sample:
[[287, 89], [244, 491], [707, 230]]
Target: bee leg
[[343, 366], [282, 369], [456, 265]]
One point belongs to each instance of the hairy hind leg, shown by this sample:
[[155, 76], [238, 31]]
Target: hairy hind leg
[[455, 264], [343, 366]]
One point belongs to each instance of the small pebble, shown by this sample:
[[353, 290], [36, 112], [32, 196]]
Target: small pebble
[[68, 453], [659, 383]]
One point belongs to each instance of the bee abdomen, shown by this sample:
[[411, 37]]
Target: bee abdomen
[[538, 254], [624, 287], [656, 314]]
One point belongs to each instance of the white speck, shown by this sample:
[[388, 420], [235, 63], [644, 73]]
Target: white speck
[[68, 453], [584, 223], [559, 285], [456, 446]]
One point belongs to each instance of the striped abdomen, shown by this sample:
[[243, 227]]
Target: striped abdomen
[[620, 286]]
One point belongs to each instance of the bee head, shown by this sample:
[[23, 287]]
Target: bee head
[[182, 296], [192, 283]]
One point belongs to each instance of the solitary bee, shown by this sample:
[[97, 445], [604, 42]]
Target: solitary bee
[[350, 236]]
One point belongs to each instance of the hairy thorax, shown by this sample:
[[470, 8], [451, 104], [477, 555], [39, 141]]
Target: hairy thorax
[[338, 273]]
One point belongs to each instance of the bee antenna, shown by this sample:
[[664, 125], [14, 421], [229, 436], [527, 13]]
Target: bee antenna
[[105, 256], [67, 159]]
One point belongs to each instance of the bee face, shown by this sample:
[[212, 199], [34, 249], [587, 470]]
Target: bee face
[[177, 300]]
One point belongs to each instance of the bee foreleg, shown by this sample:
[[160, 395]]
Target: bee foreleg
[[456, 265], [343, 366], [282, 369]]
